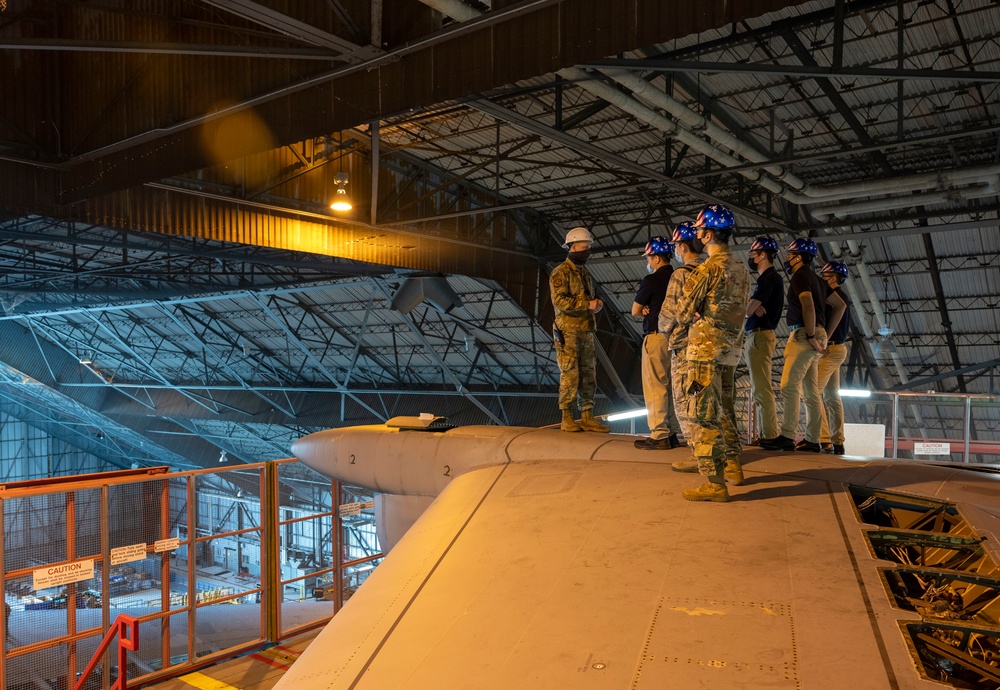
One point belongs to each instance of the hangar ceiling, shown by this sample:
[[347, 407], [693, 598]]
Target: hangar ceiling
[[167, 169]]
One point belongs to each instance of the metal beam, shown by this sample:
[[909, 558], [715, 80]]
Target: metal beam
[[530, 124], [79, 46], [942, 303], [289, 26], [794, 71], [955, 373]]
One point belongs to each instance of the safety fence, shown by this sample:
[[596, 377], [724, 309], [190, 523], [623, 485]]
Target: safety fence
[[210, 562], [928, 425]]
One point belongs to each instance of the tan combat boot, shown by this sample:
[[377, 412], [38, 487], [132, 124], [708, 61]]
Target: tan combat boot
[[568, 423], [714, 491], [686, 465], [734, 471], [589, 423]]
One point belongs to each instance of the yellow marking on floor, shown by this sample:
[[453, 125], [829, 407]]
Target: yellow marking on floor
[[200, 680]]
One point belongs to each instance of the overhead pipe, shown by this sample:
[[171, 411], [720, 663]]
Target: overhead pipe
[[823, 213], [798, 190], [456, 9], [634, 107]]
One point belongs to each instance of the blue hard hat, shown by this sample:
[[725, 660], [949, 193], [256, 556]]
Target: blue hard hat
[[715, 217], [765, 244], [836, 267], [803, 245], [658, 245], [684, 231]]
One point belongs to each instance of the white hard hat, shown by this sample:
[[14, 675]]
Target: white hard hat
[[578, 235]]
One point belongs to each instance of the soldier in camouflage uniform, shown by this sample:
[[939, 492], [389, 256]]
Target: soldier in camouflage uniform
[[713, 304], [677, 335], [575, 304]]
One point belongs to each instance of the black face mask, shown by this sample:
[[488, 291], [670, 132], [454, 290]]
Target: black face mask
[[752, 264], [697, 246], [579, 258]]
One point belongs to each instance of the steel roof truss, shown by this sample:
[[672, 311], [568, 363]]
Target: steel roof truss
[[294, 339], [210, 352]]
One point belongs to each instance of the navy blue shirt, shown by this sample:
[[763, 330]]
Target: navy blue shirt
[[770, 292], [652, 290], [840, 335], [804, 280]]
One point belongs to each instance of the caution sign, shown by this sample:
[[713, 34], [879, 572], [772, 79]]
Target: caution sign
[[67, 573], [161, 545], [350, 509], [925, 448], [127, 554]]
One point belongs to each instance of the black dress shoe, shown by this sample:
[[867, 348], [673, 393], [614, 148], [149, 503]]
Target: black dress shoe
[[672, 440], [805, 446], [653, 444], [826, 447], [779, 442], [838, 449]]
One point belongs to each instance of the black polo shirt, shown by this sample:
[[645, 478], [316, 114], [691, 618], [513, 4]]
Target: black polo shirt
[[652, 290], [840, 335], [804, 280], [770, 292]]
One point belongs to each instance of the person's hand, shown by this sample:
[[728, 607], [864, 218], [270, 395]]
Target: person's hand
[[645, 311], [759, 311], [817, 345], [596, 305]]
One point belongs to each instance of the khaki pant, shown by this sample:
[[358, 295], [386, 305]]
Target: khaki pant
[[656, 390], [800, 378], [828, 378], [759, 352]]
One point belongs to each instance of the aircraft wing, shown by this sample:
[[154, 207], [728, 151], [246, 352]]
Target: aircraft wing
[[592, 572]]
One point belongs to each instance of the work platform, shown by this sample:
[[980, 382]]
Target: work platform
[[255, 671]]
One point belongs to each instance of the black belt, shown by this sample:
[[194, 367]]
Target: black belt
[[836, 342], [758, 330]]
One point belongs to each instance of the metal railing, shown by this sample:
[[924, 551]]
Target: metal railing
[[209, 563]]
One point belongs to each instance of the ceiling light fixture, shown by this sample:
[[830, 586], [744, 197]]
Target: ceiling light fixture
[[341, 201], [885, 345]]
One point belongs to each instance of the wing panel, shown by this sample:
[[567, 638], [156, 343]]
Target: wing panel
[[589, 574]]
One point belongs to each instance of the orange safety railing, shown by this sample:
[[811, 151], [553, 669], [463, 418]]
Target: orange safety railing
[[126, 643]]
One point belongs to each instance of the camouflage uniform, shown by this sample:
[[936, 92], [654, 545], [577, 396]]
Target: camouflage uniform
[[677, 340], [572, 289], [718, 291]]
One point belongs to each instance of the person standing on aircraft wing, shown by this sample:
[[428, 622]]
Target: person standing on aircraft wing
[[576, 303], [763, 316], [656, 389], [831, 436], [808, 297], [713, 304], [676, 335]]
